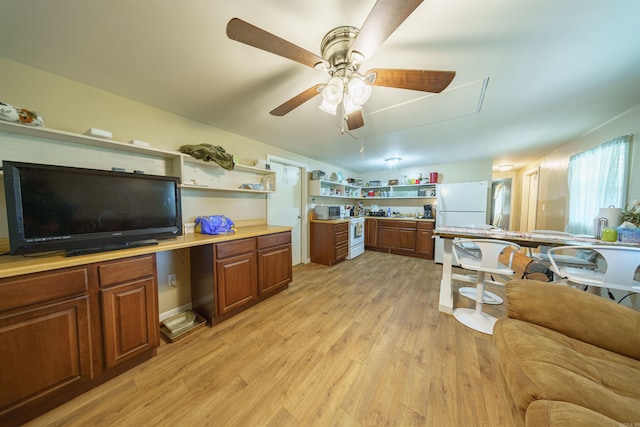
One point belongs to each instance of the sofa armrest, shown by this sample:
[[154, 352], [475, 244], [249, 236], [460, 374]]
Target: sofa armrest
[[577, 314]]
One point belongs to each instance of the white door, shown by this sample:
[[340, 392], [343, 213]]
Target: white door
[[529, 201], [285, 205]]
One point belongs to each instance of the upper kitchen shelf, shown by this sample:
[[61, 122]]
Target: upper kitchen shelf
[[326, 188]]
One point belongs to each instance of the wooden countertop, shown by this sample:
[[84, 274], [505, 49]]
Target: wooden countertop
[[330, 221], [18, 264], [338, 221], [401, 218]]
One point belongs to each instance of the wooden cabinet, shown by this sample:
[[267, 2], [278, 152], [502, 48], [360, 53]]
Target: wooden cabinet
[[129, 308], [424, 239], [53, 345], [397, 236], [237, 281], [229, 277], [274, 262], [402, 237], [329, 241], [371, 234], [46, 344]]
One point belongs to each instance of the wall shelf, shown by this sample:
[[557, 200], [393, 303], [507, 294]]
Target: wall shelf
[[194, 173], [340, 190], [326, 188]]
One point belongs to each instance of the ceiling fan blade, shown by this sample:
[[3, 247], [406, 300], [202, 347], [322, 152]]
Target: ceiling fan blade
[[423, 80], [242, 31], [385, 17], [355, 120], [296, 101]]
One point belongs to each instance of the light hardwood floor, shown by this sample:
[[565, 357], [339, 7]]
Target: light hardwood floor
[[358, 344]]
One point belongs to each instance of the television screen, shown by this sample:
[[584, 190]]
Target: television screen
[[55, 207]]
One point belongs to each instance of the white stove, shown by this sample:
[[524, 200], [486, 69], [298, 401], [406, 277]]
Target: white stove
[[356, 237]]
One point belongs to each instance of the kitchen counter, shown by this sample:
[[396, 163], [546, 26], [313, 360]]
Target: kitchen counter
[[402, 218], [331, 221], [16, 265], [399, 218]]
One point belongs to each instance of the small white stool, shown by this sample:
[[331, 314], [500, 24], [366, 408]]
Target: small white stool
[[486, 262]]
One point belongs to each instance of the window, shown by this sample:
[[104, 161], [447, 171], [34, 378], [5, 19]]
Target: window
[[597, 179]]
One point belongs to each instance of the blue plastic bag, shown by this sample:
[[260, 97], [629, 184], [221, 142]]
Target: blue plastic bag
[[214, 224]]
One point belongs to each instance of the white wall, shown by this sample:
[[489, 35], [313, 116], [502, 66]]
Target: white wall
[[74, 107]]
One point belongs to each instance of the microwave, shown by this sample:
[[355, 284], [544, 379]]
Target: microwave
[[329, 212]]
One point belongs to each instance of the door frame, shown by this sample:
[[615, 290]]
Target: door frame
[[304, 220], [526, 198]]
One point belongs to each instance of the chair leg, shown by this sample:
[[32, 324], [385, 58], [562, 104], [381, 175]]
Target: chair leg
[[489, 297], [480, 292], [475, 318]]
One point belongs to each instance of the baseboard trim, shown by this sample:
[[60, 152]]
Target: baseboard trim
[[175, 311]]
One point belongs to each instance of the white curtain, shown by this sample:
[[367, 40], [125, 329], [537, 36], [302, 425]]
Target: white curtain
[[597, 179]]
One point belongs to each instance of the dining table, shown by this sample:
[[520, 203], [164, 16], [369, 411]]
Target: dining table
[[524, 239]]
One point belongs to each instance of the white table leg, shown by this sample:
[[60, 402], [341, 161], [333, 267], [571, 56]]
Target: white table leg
[[446, 293]]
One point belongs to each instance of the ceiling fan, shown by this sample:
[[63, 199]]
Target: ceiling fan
[[343, 51]]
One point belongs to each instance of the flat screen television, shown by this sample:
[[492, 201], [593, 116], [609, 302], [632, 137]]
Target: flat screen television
[[80, 210]]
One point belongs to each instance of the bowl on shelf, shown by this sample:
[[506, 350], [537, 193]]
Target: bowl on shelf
[[393, 182]]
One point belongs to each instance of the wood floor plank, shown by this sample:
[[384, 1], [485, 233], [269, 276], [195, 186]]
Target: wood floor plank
[[361, 343]]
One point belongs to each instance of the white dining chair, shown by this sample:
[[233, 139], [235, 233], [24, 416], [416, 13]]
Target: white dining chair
[[487, 262], [470, 249], [618, 269], [581, 259]]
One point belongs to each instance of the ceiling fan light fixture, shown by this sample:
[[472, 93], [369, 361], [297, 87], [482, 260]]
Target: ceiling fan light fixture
[[349, 105], [357, 57], [392, 161], [359, 91], [333, 91], [328, 108]]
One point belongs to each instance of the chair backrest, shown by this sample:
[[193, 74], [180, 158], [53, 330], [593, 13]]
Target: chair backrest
[[622, 262], [490, 250]]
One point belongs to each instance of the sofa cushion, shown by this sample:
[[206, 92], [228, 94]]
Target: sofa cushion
[[542, 364], [543, 413]]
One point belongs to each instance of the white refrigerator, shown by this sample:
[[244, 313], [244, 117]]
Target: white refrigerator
[[460, 204]]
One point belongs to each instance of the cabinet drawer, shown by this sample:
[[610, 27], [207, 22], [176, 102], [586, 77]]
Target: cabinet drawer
[[273, 240], [40, 287], [235, 247], [425, 225], [397, 224], [343, 226], [342, 237], [342, 251], [126, 269]]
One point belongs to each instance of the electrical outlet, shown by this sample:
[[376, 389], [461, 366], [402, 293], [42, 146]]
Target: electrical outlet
[[171, 278]]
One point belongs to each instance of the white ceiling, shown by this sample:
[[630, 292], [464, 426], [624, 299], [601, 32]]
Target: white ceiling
[[553, 70]]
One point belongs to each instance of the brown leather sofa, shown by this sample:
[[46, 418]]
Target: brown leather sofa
[[568, 357]]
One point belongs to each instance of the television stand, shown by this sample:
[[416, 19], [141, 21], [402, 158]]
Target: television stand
[[111, 247]]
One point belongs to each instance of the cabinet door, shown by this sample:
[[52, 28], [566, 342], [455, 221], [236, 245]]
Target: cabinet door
[[45, 352], [371, 233], [130, 320], [424, 241], [406, 239], [274, 268], [387, 237], [237, 281]]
